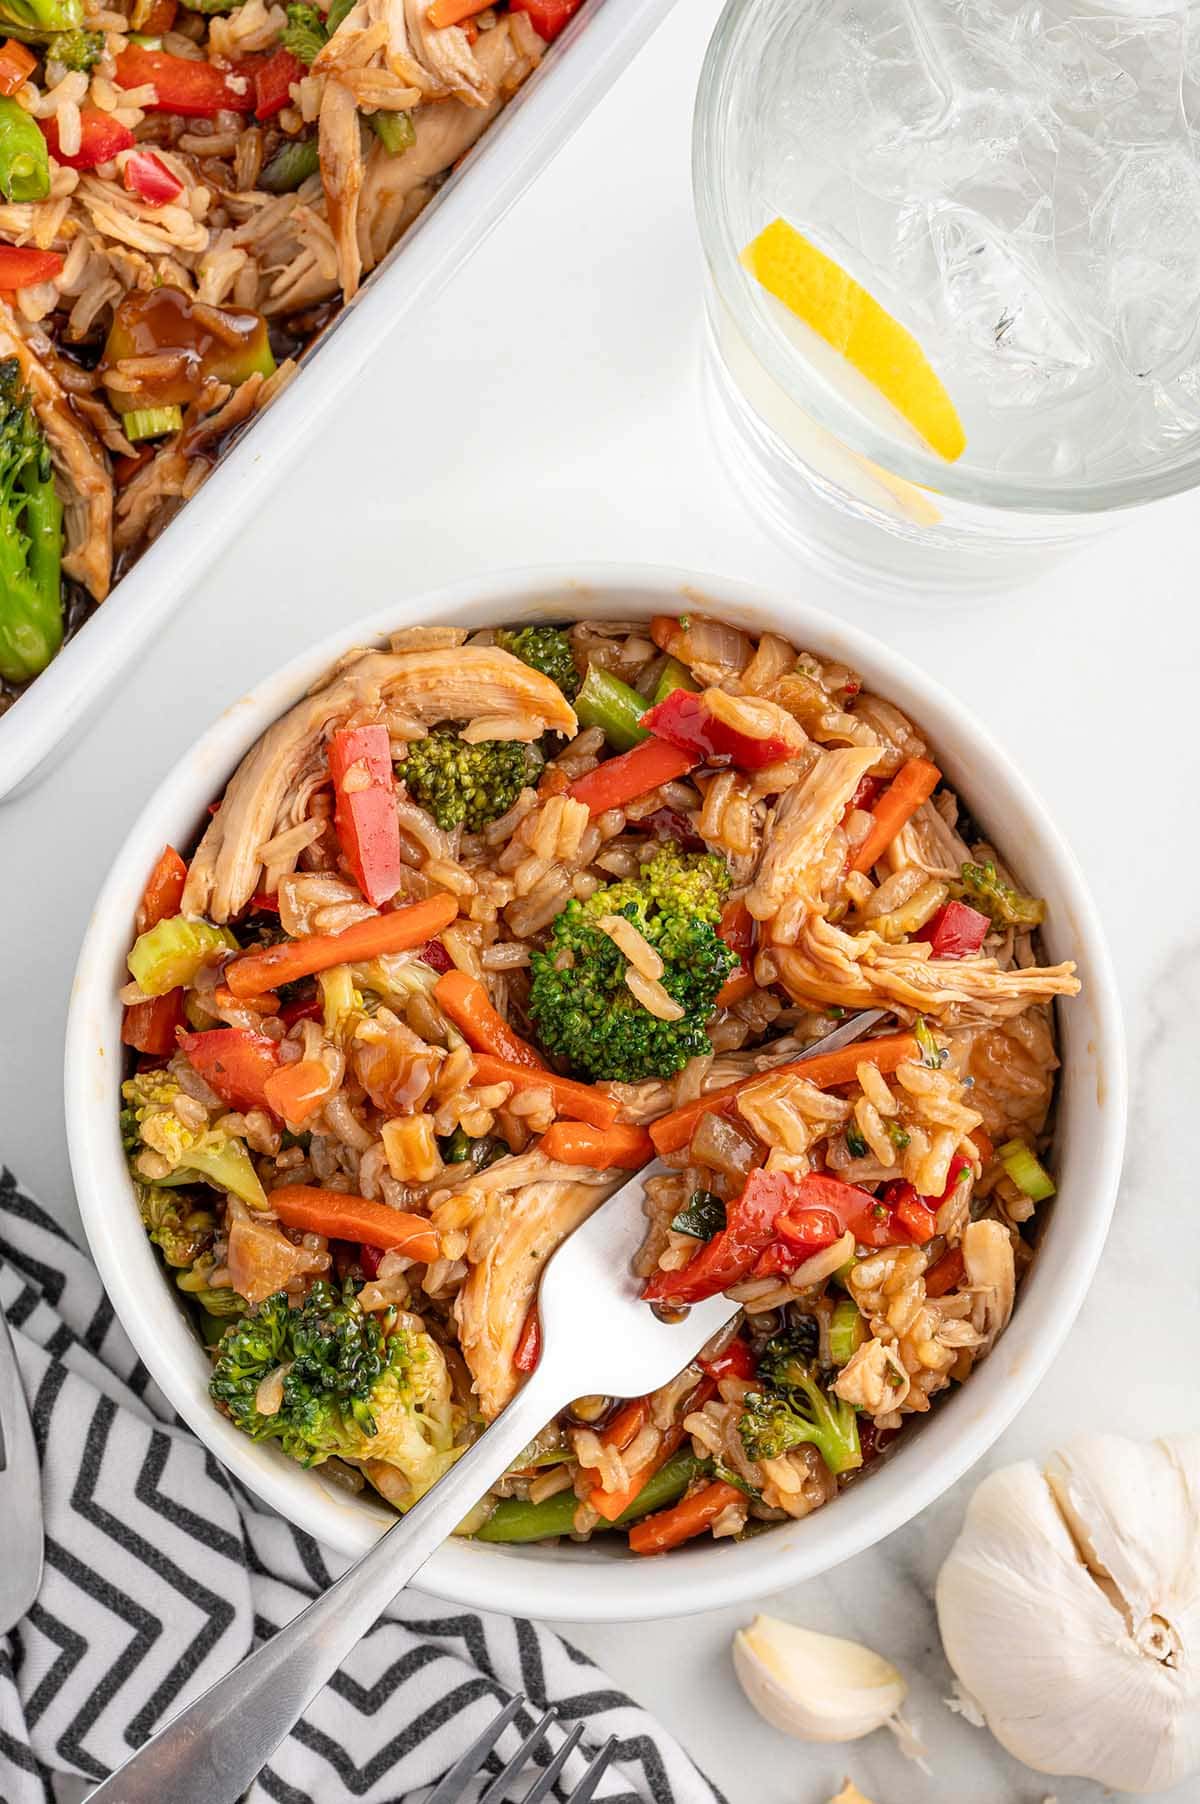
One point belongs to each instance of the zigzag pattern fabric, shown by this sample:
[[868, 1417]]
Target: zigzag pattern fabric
[[161, 1572]]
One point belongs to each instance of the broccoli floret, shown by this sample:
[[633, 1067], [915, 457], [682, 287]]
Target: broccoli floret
[[149, 1123], [304, 34], [985, 890], [217, 1300], [579, 1001], [544, 648], [467, 785], [356, 1386], [31, 621], [793, 1408], [76, 50], [180, 1229]]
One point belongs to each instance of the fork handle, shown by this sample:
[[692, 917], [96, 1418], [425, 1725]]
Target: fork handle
[[211, 1751]]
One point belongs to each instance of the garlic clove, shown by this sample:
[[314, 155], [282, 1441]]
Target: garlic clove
[[815, 1687], [1070, 1610]]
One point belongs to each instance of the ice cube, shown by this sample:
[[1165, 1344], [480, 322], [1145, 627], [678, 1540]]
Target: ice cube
[[1145, 245], [1117, 71], [1000, 308]]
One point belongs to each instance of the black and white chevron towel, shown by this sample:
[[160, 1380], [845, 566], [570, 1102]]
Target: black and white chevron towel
[[161, 1572]]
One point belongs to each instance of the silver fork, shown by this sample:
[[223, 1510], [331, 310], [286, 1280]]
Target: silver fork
[[449, 1791], [597, 1336]]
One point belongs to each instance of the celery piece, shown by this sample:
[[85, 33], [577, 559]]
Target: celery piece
[[151, 422], [674, 676], [170, 953], [395, 131], [343, 1004], [1026, 1170], [847, 1332], [608, 703]]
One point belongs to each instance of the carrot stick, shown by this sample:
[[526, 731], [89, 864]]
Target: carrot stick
[[16, 66], [341, 1217], [734, 989], [453, 12], [669, 1528], [611, 1504], [913, 784], [164, 890], [297, 1091], [579, 1101], [398, 931], [574, 1143], [621, 780], [468, 1005], [626, 1425], [824, 1069]]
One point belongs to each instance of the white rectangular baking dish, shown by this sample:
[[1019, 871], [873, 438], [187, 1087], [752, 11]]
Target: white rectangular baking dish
[[582, 64]]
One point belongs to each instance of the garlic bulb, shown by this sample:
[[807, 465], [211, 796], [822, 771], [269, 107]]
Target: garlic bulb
[[1070, 1610], [815, 1687]]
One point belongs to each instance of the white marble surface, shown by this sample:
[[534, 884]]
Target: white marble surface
[[549, 410]]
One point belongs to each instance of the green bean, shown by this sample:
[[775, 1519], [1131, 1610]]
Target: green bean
[[674, 676], [292, 164], [395, 131], [514, 1520], [606, 702], [24, 159]]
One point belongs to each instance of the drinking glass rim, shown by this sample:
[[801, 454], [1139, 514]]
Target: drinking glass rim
[[734, 287]]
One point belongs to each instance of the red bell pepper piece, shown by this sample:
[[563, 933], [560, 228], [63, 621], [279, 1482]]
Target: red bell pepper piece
[[734, 1361], [360, 763], [312, 1008], [910, 1211], [867, 794], [435, 954], [273, 81], [262, 903], [23, 267], [150, 1026], [234, 1062], [148, 177], [368, 1258], [752, 1225], [685, 720], [737, 931], [548, 17], [955, 931], [101, 137], [190, 86], [668, 823], [945, 1273], [621, 780], [529, 1347]]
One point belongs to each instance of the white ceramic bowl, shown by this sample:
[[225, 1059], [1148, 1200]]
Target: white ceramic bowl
[[600, 1582]]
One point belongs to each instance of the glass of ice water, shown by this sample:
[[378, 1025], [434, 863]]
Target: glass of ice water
[[1014, 186]]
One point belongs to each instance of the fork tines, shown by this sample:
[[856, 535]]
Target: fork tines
[[450, 1789]]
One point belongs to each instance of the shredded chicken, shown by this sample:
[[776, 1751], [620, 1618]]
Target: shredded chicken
[[520, 1229], [800, 829], [84, 484], [342, 166], [860, 970], [457, 683], [874, 1379], [991, 1275], [444, 133]]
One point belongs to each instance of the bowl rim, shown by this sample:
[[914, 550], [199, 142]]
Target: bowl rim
[[569, 1583]]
